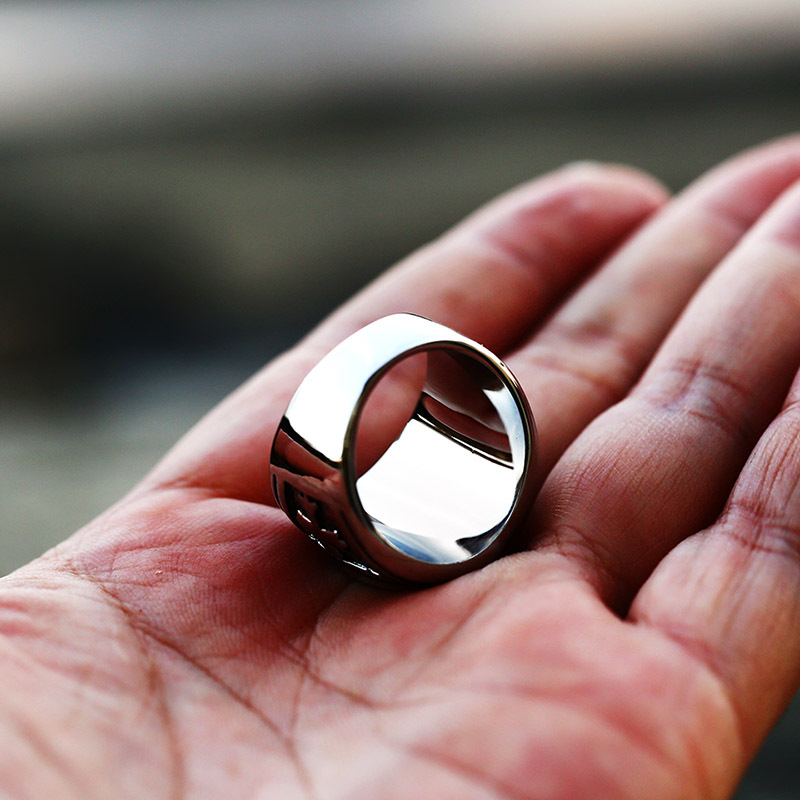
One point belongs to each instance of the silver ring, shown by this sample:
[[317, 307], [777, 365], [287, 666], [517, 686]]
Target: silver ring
[[443, 494]]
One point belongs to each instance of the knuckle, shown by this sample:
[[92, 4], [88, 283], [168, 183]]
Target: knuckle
[[706, 391]]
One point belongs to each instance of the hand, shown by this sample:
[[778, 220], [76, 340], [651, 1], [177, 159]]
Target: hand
[[191, 643]]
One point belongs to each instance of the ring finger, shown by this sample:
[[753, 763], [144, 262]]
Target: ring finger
[[658, 466]]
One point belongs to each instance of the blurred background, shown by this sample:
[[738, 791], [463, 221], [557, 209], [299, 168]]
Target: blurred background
[[186, 187]]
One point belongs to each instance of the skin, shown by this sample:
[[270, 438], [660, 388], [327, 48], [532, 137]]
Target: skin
[[190, 643]]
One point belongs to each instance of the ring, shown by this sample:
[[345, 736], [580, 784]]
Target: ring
[[406, 453]]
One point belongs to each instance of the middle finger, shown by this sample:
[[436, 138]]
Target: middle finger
[[594, 348], [658, 466]]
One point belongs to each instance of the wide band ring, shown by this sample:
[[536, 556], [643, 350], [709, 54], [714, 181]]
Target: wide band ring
[[441, 498]]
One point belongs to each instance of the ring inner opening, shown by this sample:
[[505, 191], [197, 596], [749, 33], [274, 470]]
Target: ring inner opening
[[439, 456]]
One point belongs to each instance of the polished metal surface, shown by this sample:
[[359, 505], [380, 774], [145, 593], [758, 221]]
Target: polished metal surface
[[405, 453]]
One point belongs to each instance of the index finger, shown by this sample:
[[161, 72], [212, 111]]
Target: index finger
[[730, 596]]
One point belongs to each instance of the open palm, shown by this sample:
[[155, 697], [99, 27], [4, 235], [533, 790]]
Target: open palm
[[190, 643]]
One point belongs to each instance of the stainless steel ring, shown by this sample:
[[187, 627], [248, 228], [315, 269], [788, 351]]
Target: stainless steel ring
[[446, 493]]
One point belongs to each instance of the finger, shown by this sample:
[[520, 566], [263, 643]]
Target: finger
[[730, 596], [659, 465], [595, 347], [492, 278]]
